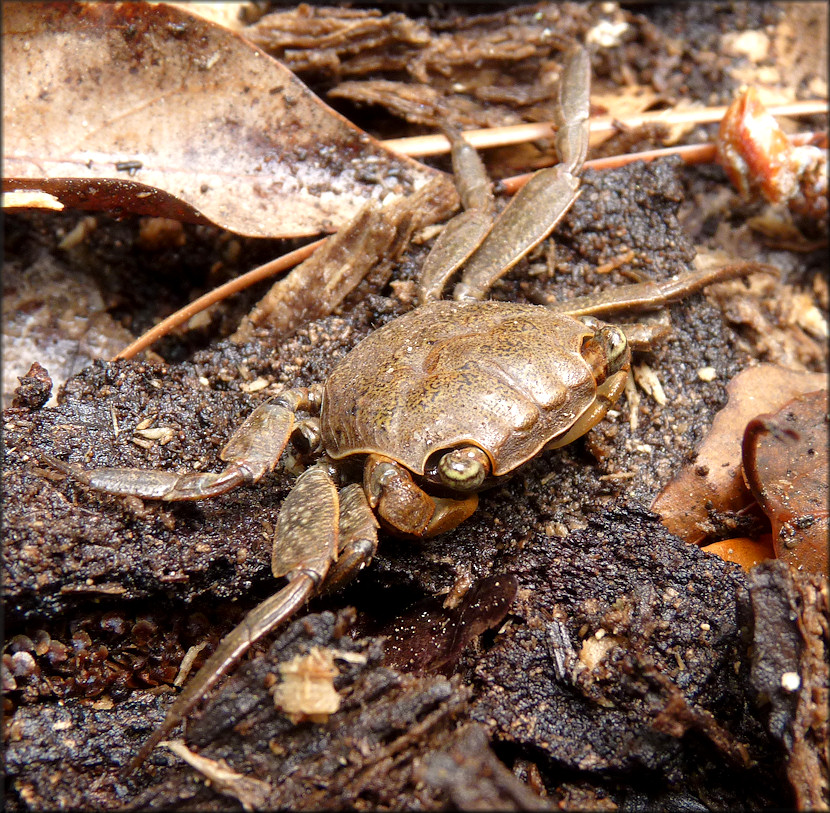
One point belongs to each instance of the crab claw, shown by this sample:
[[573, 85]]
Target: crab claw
[[252, 452]]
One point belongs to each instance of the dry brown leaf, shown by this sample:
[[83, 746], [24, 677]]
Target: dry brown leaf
[[432, 635], [785, 464], [714, 480], [229, 13], [366, 246], [323, 38], [148, 109], [621, 103]]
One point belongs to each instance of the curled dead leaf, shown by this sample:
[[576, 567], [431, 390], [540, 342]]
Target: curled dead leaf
[[785, 464], [145, 108], [430, 637], [714, 480], [743, 550]]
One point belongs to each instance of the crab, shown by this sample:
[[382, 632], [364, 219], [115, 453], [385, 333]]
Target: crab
[[436, 406]]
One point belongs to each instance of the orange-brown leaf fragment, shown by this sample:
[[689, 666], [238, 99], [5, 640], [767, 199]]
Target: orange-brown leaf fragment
[[148, 109], [785, 464], [714, 480], [755, 151], [743, 551]]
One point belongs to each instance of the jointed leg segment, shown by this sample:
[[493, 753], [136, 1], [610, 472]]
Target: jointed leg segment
[[311, 529], [314, 524], [257, 623], [488, 249], [655, 294], [252, 452]]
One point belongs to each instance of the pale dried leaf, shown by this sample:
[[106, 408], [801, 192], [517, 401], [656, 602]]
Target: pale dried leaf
[[622, 103], [30, 200], [307, 690], [148, 109], [229, 14]]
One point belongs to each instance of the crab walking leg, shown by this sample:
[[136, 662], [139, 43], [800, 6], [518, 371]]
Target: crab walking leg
[[607, 395], [651, 294], [573, 110], [231, 648], [541, 203], [463, 234], [358, 537], [460, 238], [252, 452], [518, 230], [305, 545]]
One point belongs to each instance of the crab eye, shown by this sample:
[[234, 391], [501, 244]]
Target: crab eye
[[616, 346], [463, 469]]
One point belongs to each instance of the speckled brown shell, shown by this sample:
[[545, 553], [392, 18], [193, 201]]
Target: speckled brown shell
[[505, 377]]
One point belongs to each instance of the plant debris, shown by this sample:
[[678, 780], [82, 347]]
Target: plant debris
[[369, 244], [207, 128], [785, 466], [714, 481], [790, 674], [307, 690]]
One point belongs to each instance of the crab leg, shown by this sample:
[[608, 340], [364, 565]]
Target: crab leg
[[607, 395], [252, 452], [305, 544], [573, 111], [518, 230], [464, 233], [651, 294], [231, 648], [358, 537], [490, 249], [542, 202]]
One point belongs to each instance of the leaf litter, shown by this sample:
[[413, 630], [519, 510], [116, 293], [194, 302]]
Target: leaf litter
[[147, 109]]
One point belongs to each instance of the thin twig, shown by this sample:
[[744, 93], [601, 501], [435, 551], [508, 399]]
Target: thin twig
[[419, 146], [217, 295], [691, 153]]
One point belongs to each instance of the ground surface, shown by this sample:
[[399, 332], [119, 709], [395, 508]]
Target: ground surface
[[103, 595]]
